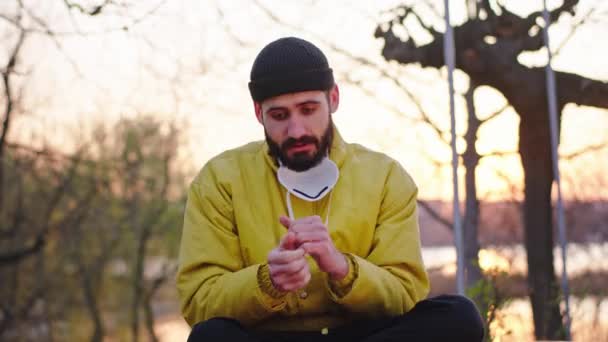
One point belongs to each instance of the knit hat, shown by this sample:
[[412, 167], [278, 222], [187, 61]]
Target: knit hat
[[289, 65]]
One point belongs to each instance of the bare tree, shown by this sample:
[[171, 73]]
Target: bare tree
[[48, 197], [43, 183], [487, 48], [145, 170]]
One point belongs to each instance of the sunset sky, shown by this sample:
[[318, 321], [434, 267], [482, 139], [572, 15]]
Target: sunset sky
[[190, 61]]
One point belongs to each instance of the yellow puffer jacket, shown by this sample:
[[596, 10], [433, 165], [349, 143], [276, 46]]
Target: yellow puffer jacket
[[232, 222]]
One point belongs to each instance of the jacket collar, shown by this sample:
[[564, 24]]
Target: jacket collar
[[337, 153]]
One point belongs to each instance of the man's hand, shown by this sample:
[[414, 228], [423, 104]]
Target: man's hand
[[312, 236], [288, 266]]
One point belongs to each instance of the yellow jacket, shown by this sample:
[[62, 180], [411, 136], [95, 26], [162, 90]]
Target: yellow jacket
[[232, 222]]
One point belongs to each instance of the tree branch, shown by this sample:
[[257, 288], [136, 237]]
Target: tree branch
[[534, 42], [19, 216], [10, 20], [6, 79], [485, 5], [566, 7], [53, 155], [424, 119], [145, 15], [573, 88], [496, 113], [499, 154], [575, 28], [401, 12], [513, 188], [8, 106], [583, 151], [47, 30], [118, 28], [229, 29], [431, 6], [93, 11], [435, 215], [23, 252], [401, 51]]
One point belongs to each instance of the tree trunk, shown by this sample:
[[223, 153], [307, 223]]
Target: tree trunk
[[10, 310], [92, 307], [137, 289], [471, 212], [149, 316], [536, 159]]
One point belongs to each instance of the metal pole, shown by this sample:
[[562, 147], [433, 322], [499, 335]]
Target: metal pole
[[561, 227], [448, 55]]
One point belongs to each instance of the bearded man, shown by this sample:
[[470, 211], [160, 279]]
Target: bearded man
[[303, 236]]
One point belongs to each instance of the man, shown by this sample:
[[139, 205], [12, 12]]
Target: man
[[304, 236]]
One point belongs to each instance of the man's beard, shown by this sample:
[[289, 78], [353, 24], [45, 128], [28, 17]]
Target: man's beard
[[302, 161]]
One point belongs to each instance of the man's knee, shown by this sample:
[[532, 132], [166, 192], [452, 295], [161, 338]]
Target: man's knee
[[442, 318], [216, 328], [467, 322]]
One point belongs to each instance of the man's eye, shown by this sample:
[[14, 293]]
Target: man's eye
[[279, 115], [308, 110]]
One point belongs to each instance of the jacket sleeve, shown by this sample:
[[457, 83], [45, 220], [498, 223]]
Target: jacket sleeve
[[212, 279], [392, 278]]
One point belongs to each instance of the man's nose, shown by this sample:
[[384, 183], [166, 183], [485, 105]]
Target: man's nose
[[296, 128]]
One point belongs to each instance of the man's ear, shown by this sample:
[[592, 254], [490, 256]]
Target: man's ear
[[334, 98], [257, 107]]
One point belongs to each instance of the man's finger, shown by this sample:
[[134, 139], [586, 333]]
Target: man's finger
[[288, 268], [290, 282], [288, 223], [309, 220], [296, 285], [307, 227], [315, 249], [288, 242], [285, 221], [278, 256], [316, 236]]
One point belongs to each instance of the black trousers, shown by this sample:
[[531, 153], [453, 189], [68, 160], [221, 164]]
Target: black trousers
[[442, 318]]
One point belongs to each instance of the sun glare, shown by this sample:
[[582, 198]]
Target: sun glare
[[492, 261]]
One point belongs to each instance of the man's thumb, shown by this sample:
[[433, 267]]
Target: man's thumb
[[285, 221]]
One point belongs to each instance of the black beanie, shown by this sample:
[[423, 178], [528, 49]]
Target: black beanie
[[289, 65]]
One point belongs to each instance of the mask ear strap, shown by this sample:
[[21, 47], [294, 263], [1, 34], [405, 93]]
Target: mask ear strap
[[289, 208], [331, 192]]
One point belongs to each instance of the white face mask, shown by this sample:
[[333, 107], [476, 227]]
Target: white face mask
[[310, 185]]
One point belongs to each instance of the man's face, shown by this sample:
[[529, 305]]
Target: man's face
[[298, 126]]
